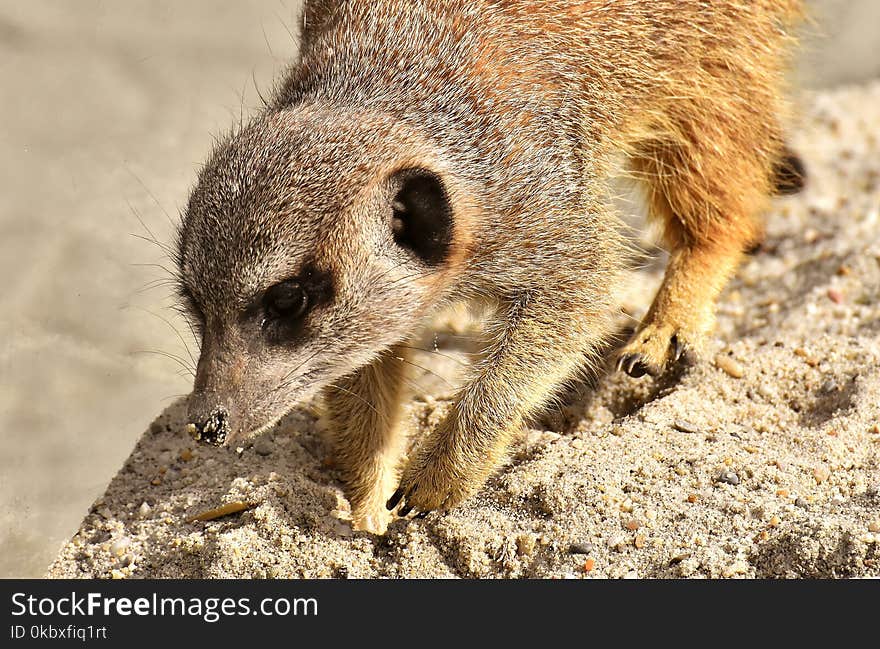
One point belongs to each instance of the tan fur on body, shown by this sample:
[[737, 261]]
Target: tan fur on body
[[521, 108]]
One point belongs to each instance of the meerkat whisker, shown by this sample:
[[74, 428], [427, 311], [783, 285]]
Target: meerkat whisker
[[189, 369]]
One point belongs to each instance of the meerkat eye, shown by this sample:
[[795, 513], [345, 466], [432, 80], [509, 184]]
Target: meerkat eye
[[421, 218], [286, 300]]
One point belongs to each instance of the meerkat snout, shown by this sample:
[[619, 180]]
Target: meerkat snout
[[213, 429]]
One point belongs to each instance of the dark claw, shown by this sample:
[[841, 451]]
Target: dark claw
[[755, 248], [637, 369], [689, 358], [677, 349], [790, 174], [633, 365], [395, 498], [421, 515], [405, 509]]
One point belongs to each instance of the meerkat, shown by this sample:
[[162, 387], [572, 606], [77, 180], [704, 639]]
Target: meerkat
[[422, 153]]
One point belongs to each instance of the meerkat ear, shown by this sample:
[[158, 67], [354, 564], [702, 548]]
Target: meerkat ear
[[422, 215]]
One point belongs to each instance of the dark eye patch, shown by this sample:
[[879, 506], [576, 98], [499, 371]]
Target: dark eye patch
[[287, 300], [286, 304]]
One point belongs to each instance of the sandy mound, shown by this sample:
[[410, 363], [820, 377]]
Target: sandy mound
[[773, 473]]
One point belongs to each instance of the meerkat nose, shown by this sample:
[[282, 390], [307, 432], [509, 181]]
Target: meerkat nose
[[214, 430]]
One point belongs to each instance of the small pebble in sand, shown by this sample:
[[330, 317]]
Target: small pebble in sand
[[800, 502], [632, 525], [728, 477], [774, 521], [120, 546], [525, 544], [809, 359], [225, 510], [678, 558], [144, 510], [782, 493], [729, 366], [692, 498], [589, 564], [767, 391], [684, 426], [580, 548], [821, 474], [739, 567], [186, 455], [263, 446], [876, 429], [874, 526], [835, 296], [639, 541]]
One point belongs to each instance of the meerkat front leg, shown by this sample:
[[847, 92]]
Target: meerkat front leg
[[543, 342], [364, 411], [683, 312]]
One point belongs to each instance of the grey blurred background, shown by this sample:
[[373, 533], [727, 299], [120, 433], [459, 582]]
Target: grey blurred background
[[107, 110]]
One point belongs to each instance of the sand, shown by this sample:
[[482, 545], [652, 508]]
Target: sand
[[108, 108], [768, 466]]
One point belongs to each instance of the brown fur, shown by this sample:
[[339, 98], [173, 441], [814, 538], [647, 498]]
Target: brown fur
[[523, 109]]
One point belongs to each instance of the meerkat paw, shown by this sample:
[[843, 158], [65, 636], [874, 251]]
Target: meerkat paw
[[427, 487], [368, 495], [373, 519], [655, 346]]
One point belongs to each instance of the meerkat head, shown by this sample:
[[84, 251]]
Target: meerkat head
[[312, 242]]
